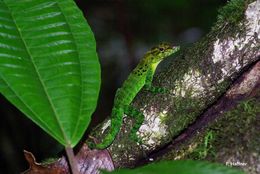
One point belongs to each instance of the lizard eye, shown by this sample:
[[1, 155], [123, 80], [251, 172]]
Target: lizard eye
[[161, 49]]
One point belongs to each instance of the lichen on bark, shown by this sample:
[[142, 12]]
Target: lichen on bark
[[230, 135]]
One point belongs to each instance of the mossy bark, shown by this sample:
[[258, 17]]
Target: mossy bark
[[230, 135]]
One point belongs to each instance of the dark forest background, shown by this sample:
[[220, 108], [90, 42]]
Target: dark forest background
[[124, 31]]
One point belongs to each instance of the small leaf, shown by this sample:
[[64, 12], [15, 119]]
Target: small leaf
[[180, 167], [48, 65]]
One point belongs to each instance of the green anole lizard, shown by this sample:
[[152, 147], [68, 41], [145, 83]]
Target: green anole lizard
[[140, 77]]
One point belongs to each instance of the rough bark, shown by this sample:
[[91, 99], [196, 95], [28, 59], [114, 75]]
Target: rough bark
[[207, 81]]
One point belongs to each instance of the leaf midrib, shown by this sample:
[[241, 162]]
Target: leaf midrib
[[80, 69], [39, 77]]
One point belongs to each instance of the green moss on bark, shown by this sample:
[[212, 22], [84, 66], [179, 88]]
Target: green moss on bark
[[234, 137]]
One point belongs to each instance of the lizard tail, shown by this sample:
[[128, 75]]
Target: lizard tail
[[116, 122]]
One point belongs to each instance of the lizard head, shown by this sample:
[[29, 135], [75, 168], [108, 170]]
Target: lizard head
[[163, 50]]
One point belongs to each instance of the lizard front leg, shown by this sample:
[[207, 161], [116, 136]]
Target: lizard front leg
[[148, 83], [138, 120], [155, 89]]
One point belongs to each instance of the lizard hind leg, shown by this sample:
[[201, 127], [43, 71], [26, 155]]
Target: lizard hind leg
[[138, 120], [116, 122]]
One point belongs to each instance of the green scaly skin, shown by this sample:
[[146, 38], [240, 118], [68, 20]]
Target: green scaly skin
[[140, 77]]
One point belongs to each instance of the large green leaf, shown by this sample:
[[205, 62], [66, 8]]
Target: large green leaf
[[48, 65], [180, 167]]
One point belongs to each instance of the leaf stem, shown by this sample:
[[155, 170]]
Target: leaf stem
[[72, 160]]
